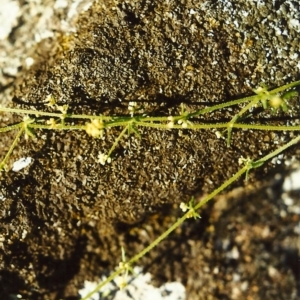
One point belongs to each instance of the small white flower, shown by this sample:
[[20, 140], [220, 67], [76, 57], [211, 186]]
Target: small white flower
[[103, 158], [183, 207], [243, 160], [131, 105], [184, 124], [276, 101], [63, 109], [170, 125], [218, 134], [27, 120], [50, 100], [95, 128], [51, 122]]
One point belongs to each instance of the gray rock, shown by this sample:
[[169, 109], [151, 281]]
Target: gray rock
[[158, 54]]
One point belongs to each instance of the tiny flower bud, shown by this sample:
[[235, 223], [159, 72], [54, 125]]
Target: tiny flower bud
[[51, 122], [50, 100], [103, 158], [184, 125], [170, 125], [183, 207], [218, 134], [95, 128], [276, 101]]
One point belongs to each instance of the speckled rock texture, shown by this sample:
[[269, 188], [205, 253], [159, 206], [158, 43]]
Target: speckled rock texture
[[65, 217]]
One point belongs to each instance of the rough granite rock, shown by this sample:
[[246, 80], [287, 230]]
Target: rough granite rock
[[65, 217]]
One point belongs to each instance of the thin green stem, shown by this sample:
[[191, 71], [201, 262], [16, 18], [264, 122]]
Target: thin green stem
[[51, 114], [117, 141], [118, 123], [13, 145], [285, 87], [56, 127], [222, 105], [222, 125], [194, 126], [103, 283], [100, 117], [267, 127], [243, 100], [222, 187], [143, 118], [294, 141], [11, 127], [176, 126], [30, 112]]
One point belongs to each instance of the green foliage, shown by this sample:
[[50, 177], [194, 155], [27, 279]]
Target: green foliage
[[97, 126]]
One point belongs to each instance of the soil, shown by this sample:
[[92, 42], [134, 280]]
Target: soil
[[65, 217]]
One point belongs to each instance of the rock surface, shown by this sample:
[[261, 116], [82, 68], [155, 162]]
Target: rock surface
[[65, 216]]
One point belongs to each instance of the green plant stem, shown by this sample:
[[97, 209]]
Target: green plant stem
[[223, 105], [11, 127], [243, 100], [56, 127], [30, 112], [143, 118], [164, 126], [293, 142], [222, 125], [103, 283], [149, 124], [117, 141], [222, 187], [13, 145], [51, 114], [246, 168], [285, 87], [266, 127]]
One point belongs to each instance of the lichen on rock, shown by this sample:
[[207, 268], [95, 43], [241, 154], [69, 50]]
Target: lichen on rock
[[158, 54]]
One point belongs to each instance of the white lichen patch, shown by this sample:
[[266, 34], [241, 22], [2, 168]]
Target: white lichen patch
[[292, 182], [139, 287], [9, 12], [21, 164]]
